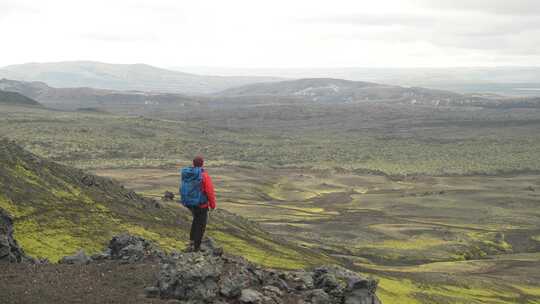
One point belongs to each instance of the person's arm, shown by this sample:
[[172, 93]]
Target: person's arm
[[209, 190]]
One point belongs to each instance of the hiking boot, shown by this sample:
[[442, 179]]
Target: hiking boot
[[190, 247]]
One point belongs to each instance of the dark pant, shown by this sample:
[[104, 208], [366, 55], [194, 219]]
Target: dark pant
[[200, 216]]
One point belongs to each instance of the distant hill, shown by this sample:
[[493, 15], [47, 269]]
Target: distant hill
[[339, 90], [311, 90], [508, 81], [73, 98], [15, 98], [58, 209], [140, 77], [329, 90]]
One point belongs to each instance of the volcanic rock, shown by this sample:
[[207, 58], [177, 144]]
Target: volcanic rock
[[10, 252], [168, 196], [80, 258], [129, 248], [207, 277]]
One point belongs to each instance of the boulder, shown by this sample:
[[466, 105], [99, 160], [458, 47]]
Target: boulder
[[168, 196], [345, 286], [303, 280], [89, 181], [270, 290], [276, 278], [105, 255], [151, 292], [192, 276], [209, 246], [361, 291], [10, 252], [317, 296], [250, 296], [129, 249], [234, 280], [272, 295], [80, 258]]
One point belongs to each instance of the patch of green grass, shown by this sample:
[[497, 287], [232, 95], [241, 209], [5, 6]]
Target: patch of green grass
[[54, 240], [533, 291], [414, 243], [397, 291], [167, 243], [21, 172], [13, 210], [257, 254], [393, 290]]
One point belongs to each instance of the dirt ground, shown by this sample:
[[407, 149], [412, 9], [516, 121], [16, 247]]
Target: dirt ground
[[107, 282]]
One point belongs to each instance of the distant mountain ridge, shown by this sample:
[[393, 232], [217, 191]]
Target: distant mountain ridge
[[14, 98], [330, 90], [339, 90], [310, 90], [505, 80], [71, 98], [141, 77]]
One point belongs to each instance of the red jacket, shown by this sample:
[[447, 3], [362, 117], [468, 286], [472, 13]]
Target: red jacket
[[208, 188]]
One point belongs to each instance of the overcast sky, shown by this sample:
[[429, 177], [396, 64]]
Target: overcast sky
[[273, 33]]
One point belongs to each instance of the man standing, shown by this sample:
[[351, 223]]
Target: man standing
[[197, 194]]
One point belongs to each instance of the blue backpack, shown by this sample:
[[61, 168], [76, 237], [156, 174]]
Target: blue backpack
[[190, 187]]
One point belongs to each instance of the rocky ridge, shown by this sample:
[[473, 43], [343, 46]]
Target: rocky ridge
[[210, 276]]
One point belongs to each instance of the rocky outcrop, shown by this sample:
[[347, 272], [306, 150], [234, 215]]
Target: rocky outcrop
[[10, 252], [131, 248], [124, 247], [212, 277]]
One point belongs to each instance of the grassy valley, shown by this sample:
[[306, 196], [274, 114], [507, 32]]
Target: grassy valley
[[459, 239], [392, 140]]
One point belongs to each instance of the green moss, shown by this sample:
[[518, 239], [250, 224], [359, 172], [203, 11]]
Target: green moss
[[397, 291], [254, 253], [53, 242], [101, 208], [26, 175], [62, 194], [71, 193], [167, 243], [392, 290], [13, 210], [533, 291], [414, 243]]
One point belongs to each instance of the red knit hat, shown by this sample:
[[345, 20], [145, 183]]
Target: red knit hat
[[198, 161]]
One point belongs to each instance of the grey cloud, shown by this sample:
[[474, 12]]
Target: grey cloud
[[11, 7], [510, 45], [502, 7], [498, 33], [467, 25], [375, 20], [112, 37]]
